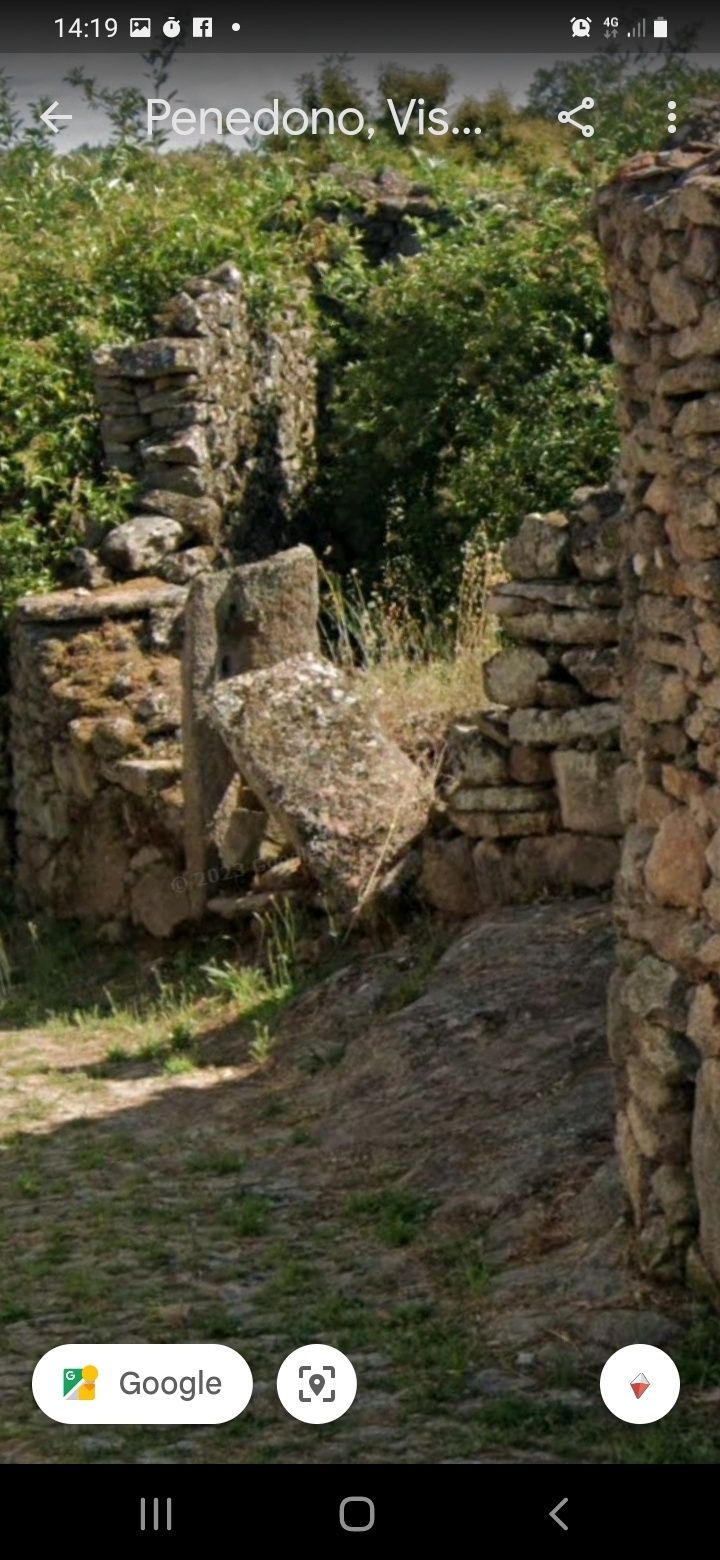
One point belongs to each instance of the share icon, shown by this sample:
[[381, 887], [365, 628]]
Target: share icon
[[565, 116]]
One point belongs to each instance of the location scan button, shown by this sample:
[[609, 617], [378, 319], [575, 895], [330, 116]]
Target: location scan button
[[85, 1384], [317, 1383]]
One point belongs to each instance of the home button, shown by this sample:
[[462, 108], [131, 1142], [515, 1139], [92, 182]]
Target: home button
[[357, 1514]]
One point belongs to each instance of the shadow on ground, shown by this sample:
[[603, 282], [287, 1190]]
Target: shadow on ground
[[430, 1187]]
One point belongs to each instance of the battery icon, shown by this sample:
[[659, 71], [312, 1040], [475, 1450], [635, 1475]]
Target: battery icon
[[660, 27]]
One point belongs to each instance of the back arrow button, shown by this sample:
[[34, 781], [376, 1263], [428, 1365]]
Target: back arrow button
[[554, 1514], [51, 119]]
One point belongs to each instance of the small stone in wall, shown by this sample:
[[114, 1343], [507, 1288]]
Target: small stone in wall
[[586, 791], [238, 827], [158, 900], [182, 567], [499, 798], [110, 737], [561, 627], [495, 874], [541, 548], [676, 870], [447, 878], [593, 723], [597, 671], [704, 1018], [530, 766], [84, 569], [138, 545], [596, 548], [505, 826], [473, 757], [142, 776], [566, 861], [676, 301], [188, 447], [199, 517], [512, 676], [558, 693]]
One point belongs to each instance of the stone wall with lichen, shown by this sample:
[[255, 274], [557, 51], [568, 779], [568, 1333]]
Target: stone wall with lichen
[[526, 800], [96, 756], [215, 418], [659, 224]]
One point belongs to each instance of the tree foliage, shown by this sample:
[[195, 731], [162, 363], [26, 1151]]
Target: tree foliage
[[460, 387]]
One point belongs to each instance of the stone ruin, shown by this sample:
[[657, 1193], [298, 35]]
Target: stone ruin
[[527, 799], [215, 418], [97, 756], [659, 224], [179, 748]]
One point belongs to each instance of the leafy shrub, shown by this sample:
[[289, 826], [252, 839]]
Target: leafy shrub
[[475, 386], [459, 388]]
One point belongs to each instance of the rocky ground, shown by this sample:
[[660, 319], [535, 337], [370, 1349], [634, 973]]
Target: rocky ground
[[421, 1174]]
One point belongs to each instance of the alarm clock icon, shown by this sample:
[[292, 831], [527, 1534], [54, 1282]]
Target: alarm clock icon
[[171, 27]]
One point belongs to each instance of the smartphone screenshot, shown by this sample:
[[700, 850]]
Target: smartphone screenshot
[[360, 772]]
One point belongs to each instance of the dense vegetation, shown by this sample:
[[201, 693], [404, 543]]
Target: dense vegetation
[[469, 383]]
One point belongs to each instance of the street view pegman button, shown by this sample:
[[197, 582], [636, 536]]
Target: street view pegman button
[[142, 1384]]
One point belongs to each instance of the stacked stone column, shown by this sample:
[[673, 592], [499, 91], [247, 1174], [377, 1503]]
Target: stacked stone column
[[215, 418], [527, 797], [659, 223]]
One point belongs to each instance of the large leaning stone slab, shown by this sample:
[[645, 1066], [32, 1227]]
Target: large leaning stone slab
[[322, 767], [237, 620], [596, 723]]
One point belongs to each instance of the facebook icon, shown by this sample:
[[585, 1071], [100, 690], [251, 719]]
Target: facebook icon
[[202, 27]]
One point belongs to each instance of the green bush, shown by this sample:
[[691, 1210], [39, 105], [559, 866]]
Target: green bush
[[459, 388], [475, 385], [90, 245]]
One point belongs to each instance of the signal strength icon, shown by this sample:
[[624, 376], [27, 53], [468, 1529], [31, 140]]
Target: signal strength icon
[[639, 30]]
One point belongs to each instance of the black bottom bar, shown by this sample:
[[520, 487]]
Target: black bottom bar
[[369, 1507]]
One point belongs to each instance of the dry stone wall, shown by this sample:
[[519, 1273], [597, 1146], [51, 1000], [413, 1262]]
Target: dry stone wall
[[528, 799], [96, 750], [215, 418], [659, 223]]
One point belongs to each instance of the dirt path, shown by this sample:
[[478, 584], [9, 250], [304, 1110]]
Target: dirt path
[[424, 1179]]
